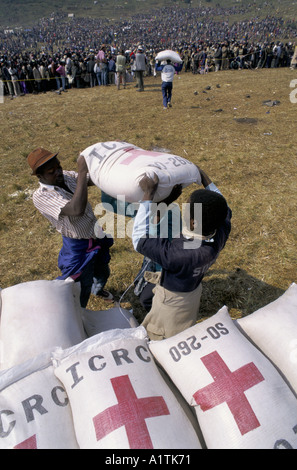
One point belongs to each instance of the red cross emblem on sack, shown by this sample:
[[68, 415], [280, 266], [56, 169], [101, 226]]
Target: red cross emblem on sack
[[29, 443], [130, 412], [135, 153], [229, 387]]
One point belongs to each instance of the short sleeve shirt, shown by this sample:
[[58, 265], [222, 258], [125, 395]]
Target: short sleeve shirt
[[49, 200]]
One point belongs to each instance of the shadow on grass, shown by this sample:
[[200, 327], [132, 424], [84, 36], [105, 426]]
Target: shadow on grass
[[241, 293], [152, 85]]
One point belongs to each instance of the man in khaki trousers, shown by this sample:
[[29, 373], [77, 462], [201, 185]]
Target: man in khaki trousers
[[184, 259]]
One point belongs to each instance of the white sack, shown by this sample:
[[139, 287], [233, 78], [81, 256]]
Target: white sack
[[169, 55], [273, 329], [117, 167], [38, 316], [118, 397], [189, 410], [97, 321], [241, 401], [34, 408]]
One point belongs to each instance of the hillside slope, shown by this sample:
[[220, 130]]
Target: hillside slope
[[26, 13]]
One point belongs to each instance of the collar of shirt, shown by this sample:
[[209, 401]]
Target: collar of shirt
[[51, 187]]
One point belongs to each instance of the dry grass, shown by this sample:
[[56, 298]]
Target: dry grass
[[248, 149]]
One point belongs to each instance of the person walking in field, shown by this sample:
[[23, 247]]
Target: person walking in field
[[167, 75]]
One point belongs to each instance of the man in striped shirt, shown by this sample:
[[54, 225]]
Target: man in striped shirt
[[62, 197]]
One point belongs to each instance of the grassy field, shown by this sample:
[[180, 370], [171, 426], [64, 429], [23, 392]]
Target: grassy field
[[248, 148]]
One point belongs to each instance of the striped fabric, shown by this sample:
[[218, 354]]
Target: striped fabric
[[49, 200]]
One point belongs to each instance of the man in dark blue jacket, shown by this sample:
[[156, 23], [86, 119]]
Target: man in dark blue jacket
[[185, 259]]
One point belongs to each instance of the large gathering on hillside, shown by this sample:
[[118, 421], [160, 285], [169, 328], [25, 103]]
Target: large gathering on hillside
[[60, 52]]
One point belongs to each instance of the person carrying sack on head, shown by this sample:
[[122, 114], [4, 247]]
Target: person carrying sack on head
[[167, 75]]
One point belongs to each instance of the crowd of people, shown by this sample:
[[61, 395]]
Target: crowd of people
[[59, 53]]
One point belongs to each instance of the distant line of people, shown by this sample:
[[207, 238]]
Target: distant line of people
[[59, 53], [40, 72]]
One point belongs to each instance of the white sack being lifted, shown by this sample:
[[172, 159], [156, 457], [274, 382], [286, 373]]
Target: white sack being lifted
[[117, 167], [168, 55]]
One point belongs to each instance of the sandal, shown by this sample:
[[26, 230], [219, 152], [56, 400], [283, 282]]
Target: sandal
[[105, 295]]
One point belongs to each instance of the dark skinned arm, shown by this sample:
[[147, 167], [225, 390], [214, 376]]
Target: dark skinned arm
[[149, 187], [205, 179], [76, 207]]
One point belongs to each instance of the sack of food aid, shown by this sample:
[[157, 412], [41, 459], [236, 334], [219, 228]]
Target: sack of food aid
[[241, 400], [273, 329], [168, 55], [117, 167], [97, 321], [37, 316], [34, 408], [118, 398]]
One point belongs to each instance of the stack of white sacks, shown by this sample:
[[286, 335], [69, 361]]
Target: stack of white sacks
[[73, 378]]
